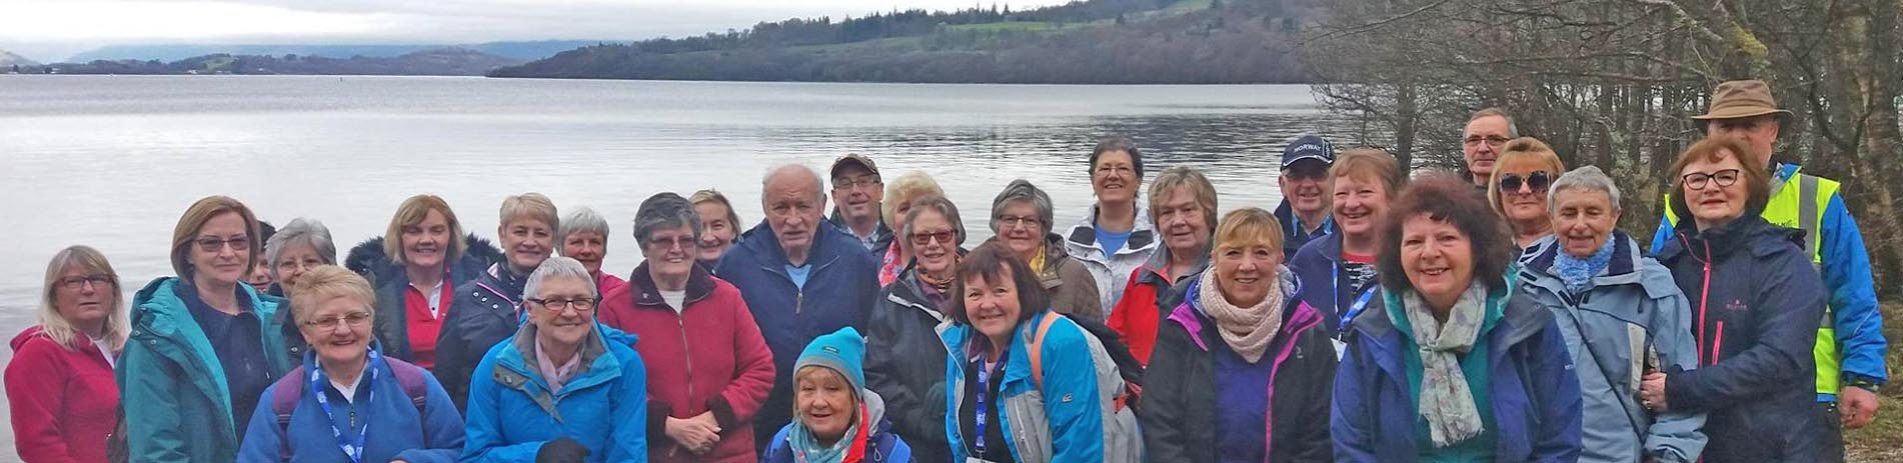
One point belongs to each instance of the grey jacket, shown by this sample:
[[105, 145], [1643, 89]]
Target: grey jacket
[[1632, 308], [1112, 271]]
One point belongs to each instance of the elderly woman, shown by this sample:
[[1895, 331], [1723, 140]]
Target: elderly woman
[[59, 383], [1524, 171], [489, 308], [301, 245], [1243, 369], [202, 348], [719, 225], [1622, 316], [1021, 222], [416, 266], [709, 369], [323, 410], [584, 237], [1339, 267], [1758, 303], [837, 419], [1183, 206], [1453, 365], [899, 196], [564, 388], [1117, 236], [1024, 384], [903, 328]]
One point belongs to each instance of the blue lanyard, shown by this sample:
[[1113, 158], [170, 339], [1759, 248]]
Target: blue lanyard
[[1354, 310], [354, 450], [984, 389]]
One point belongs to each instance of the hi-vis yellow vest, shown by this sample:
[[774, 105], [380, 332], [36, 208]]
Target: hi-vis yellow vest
[[1803, 208]]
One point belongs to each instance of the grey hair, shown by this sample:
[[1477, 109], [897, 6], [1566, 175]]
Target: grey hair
[[582, 219], [300, 231], [1023, 190], [799, 169], [1513, 130], [557, 267], [1589, 178], [665, 211], [935, 204]]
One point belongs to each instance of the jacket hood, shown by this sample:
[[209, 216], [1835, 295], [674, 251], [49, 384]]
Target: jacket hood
[[1628, 267], [700, 283], [1296, 315], [596, 353], [25, 335], [1142, 233], [875, 411], [1522, 316], [1748, 233], [368, 259], [906, 291]]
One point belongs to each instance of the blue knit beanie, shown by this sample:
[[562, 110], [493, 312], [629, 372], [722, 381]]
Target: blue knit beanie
[[843, 351]]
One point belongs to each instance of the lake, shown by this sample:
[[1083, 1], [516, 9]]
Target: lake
[[112, 161]]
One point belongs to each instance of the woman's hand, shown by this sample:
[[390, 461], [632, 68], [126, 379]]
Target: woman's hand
[[1652, 392], [697, 434]]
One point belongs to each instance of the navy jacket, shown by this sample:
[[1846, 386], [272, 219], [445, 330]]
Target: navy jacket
[[1322, 286], [1293, 235], [1756, 303], [840, 292], [485, 311]]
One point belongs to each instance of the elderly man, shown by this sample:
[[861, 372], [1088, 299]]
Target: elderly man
[[799, 277], [1303, 213], [1850, 345], [857, 195], [1487, 131]]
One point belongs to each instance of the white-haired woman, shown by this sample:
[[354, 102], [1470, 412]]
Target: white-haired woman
[[583, 236]]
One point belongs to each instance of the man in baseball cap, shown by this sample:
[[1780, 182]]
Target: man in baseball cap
[[1850, 346], [1304, 208], [857, 196]]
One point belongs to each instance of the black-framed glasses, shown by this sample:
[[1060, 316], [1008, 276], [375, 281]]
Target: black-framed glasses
[[1699, 180], [353, 320], [683, 242], [1007, 222], [1538, 181], [242, 243], [580, 304], [98, 280], [848, 183], [1494, 141], [924, 239]]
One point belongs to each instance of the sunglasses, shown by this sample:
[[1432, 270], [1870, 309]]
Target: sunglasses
[[1538, 181]]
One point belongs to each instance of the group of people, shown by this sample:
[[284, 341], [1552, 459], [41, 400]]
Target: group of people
[[1496, 316]]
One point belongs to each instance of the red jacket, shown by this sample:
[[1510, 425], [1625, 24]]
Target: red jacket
[[1148, 298], [63, 399], [709, 357]]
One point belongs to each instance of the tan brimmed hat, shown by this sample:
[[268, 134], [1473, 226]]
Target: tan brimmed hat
[[1740, 99]]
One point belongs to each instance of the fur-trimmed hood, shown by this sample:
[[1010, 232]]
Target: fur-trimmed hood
[[368, 259]]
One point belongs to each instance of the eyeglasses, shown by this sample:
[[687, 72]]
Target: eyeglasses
[[683, 242], [79, 281], [353, 320], [1538, 181], [847, 183], [580, 304], [923, 239], [242, 243], [1494, 141], [1306, 171], [1008, 221], [1699, 180]]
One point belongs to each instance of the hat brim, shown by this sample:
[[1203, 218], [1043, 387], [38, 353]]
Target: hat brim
[[1309, 157], [1741, 113]]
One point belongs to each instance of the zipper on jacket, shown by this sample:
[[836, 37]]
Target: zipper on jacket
[[686, 353], [1718, 342]]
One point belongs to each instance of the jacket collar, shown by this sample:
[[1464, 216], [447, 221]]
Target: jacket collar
[[1297, 316], [1628, 267], [880, 234], [600, 365], [1142, 235], [1287, 214], [646, 293], [765, 246], [1522, 318], [1748, 233], [905, 291], [1155, 270]]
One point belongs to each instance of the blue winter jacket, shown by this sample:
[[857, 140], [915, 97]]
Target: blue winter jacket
[[1062, 422], [603, 406], [1294, 235], [171, 383], [396, 429], [1845, 268], [1631, 314], [1535, 394], [841, 291], [1322, 284]]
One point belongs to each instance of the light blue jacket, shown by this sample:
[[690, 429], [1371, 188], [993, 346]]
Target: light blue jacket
[[1062, 422], [172, 384], [397, 430], [1632, 307], [603, 406]]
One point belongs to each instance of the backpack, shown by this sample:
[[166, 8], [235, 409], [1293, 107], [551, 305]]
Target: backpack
[[1123, 440], [286, 392]]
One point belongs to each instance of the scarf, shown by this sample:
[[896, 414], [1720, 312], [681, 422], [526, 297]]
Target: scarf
[[850, 447], [941, 286], [1446, 402], [1578, 272], [1247, 330], [889, 265], [1037, 261]]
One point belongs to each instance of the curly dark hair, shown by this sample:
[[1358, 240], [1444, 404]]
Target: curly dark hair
[[1453, 200], [995, 264]]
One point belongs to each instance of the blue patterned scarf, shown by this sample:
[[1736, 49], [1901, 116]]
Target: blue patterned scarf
[[1577, 272]]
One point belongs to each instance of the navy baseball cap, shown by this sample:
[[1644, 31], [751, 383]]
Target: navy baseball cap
[[1307, 146]]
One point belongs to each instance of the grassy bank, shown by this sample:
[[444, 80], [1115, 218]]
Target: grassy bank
[[1882, 441]]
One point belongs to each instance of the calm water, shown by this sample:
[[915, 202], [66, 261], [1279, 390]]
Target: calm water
[[111, 161]]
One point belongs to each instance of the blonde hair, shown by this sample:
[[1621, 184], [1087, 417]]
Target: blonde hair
[[411, 213], [326, 282], [55, 326], [1522, 148], [1179, 176], [714, 196], [531, 206], [817, 373], [186, 232], [1249, 226], [1370, 164], [905, 190]]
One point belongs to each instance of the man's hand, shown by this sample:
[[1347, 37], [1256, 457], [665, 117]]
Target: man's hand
[[1859, 406]]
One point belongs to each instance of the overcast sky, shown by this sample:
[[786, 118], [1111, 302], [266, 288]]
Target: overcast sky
[[51, 29]]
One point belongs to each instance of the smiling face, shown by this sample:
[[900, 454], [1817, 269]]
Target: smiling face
[[1481, 142], [1020, 229], [1359, 205], [293, 261], [586, 247], [1114, 178], [1438, 259], [527, 242], [426, 244], [1185, 224], [338, 329], [1523, 188], [1246, 273], [554, 322], [1304, 185], [1711, 201], [84, 297], [1583, 219], [671, 252], [222, 250], [716, 233], [857, 193], [932, 247], [823, 400], [992, 309]]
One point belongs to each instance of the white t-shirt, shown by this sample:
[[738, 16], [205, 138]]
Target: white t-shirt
[[349, 390], [675, 299], [105, 350]]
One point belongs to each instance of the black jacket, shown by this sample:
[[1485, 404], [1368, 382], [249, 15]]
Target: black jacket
[[368, 259], [1756, 304], [485, 312], [905, 365]]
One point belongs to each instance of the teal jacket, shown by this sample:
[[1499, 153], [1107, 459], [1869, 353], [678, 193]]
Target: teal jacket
[[1067, 429], [172, 385], [604, 404]]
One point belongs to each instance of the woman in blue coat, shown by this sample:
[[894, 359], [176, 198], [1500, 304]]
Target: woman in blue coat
[[326, 410], [564, 388], [1452, 365]]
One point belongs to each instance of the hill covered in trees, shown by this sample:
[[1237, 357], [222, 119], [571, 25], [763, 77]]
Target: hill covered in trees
[[1083, 42], [437, 62]]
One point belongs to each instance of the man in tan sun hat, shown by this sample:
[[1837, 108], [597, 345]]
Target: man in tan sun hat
[[1850, 344]]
